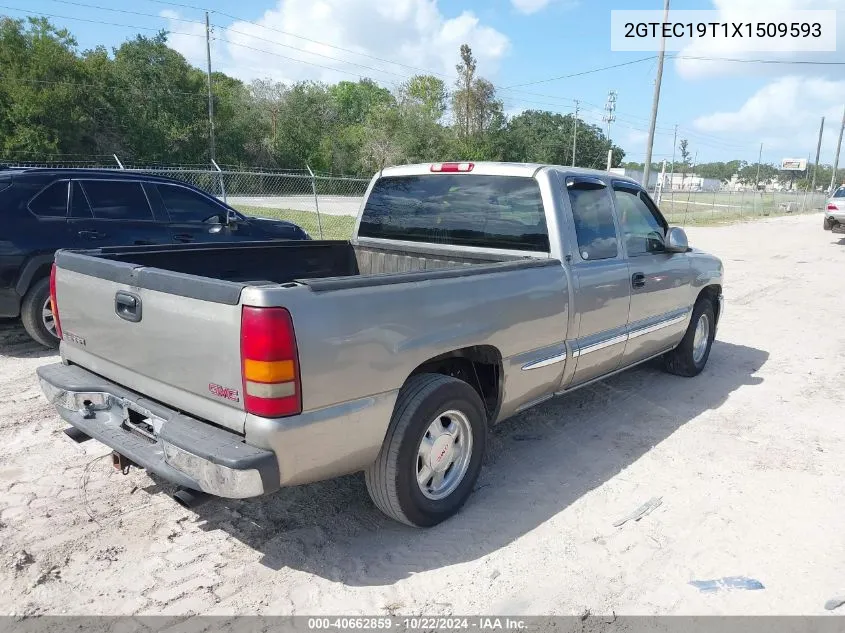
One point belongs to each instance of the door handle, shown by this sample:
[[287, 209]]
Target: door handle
[[183, 237], [638, 280], [127, 306], [143, 243], [92, 235]]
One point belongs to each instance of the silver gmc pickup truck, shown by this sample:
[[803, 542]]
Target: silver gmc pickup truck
[[468, 293]]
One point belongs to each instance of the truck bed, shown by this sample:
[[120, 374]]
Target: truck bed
[[274, 263]]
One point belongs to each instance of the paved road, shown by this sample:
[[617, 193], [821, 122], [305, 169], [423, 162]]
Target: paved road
[[329, 205]]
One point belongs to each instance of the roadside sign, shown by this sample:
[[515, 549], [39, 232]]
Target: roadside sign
[[793, 164]]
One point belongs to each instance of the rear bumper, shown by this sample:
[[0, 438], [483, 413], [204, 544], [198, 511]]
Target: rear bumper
[[10, 303], [178, 448]]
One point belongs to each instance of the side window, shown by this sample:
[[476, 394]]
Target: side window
[[593, 215], [51, 202], [185, 205], [117, 200], [78, 203], [642, 228]]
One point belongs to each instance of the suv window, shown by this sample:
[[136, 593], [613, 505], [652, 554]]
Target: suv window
[[185, 205], [462, 209], [642, 227], [51, 202], [117, 200], [593, 215], [78, 204]]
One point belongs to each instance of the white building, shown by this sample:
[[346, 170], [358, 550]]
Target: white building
[[637, 175], [691, 182]]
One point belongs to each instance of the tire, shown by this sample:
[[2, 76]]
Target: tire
[[683, 360], [392, 480], [31, 314], [827, 224]]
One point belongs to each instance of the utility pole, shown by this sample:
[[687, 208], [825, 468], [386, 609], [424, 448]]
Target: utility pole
[[836, 159], [759, 160], [655, 101], [818, 151], [674, 147], [210, 97], [575, 133], [609, 117]]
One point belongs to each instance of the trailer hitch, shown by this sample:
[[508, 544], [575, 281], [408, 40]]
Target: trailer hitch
[[122, 463]]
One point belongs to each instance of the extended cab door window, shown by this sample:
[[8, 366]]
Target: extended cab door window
[[643, 228]]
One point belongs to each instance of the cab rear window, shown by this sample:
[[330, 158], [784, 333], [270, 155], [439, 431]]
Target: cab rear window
[[502, 212]]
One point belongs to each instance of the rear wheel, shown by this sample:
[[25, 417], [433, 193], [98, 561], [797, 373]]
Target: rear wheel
[[690, 356], [37, 316], [432, 454]]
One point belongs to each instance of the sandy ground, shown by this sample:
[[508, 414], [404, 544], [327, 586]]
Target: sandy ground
[[747, 459]]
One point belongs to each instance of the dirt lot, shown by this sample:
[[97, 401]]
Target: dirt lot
[[747, 459]]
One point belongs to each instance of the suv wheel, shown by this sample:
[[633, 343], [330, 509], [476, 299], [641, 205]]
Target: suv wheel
[[36, 315]]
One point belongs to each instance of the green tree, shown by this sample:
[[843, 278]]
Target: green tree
[[42, 93], [426, 92]]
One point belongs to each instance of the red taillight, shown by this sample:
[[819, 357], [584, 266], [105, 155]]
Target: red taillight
[[832, 207], [447, 168], [54, 307], [269, 363]]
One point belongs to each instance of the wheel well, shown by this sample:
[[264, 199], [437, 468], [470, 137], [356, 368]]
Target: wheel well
[[712, 293], [479, 366]]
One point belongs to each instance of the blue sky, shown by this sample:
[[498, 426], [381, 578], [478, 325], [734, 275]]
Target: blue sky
[[724, 109]]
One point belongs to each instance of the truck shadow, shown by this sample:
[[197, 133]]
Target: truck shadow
[[15, 342], [538, 464]]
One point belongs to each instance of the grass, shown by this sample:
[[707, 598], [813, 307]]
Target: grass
[[339, 227], [335, 227]]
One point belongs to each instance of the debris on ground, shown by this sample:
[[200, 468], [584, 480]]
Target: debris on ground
[[640, 512], [22, 559], [727, 583], [834, 603]]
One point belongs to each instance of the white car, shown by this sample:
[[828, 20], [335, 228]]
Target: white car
[[834, 215]]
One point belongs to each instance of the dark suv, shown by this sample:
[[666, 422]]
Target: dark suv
[[43, 210]]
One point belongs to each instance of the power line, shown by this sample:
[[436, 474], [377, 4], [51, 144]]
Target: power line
[[302, 37], [68, 17], [585, 72], [127, 11], [803, 62]]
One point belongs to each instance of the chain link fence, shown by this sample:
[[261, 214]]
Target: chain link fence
[[684, 208], [326, 205]]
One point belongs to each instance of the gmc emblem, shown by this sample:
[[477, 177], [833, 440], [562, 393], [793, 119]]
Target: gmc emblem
[[224, 392]]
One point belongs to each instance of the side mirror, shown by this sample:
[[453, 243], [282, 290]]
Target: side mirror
[[676, 240]]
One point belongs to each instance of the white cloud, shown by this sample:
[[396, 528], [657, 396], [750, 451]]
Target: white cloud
[[739, 10], [784, 115], [411, 32], [533, 6]]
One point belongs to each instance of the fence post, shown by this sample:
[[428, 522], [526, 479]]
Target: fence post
[[220, 176], [316, 200]]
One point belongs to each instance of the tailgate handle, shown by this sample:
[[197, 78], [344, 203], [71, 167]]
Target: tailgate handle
[[127, 306]]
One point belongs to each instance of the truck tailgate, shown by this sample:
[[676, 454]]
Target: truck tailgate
[[173, 337]]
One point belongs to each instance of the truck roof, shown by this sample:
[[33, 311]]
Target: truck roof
[[493, 168]]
